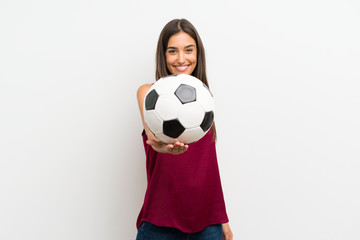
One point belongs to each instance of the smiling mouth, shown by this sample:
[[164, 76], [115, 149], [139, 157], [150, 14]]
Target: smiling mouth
[[182, 68]]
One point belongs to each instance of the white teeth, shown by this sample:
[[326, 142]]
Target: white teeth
[[182, 67]]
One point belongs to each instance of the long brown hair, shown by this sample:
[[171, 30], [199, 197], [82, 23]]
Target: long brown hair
[[171, 28]]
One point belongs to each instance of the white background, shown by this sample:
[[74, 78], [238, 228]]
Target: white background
[[285, 76]]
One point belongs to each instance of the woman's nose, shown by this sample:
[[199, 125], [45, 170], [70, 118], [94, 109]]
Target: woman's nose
[[181, 58]]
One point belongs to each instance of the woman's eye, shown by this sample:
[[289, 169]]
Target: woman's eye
[[189, 50], [172, 51]]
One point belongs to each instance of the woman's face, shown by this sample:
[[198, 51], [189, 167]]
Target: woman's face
[[181, 54]]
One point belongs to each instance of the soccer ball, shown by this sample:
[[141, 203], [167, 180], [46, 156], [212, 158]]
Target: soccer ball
[[179, 108]]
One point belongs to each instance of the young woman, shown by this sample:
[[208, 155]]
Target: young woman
[[184, 198]]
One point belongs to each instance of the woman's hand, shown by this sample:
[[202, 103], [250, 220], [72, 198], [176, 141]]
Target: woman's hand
[[227, 233], [176, 148]]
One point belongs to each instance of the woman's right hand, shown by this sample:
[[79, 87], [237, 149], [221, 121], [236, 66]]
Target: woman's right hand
[[176, 148]]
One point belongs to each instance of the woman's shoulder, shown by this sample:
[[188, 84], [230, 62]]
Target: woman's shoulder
[[144, 87], [142, 90]]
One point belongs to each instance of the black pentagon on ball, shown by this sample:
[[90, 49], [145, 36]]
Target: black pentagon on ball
[[173, 128], [186, 93], [151, 99], [207, 121]]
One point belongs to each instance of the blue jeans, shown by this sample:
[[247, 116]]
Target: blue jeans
[[149, 231]]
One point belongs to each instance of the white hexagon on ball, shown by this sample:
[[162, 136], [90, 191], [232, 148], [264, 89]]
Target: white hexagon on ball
[[153, 121], [195, 134], [191, 115], [206, 100], [167, 107]]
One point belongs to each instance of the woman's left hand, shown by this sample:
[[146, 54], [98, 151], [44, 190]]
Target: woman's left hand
[[227, 233]]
